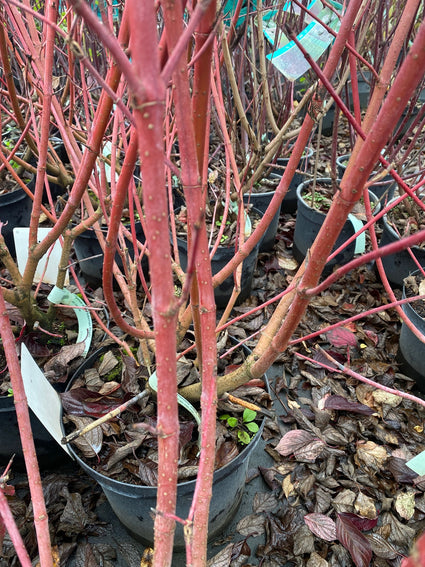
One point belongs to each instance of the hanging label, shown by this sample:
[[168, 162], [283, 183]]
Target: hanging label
[[315, 39]]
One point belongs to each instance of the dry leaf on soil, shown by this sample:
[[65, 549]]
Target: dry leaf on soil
[[370, 454], [405, 504]]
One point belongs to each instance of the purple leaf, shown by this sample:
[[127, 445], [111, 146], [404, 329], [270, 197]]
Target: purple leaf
[[322, 526], [361, 523], [81, 401], [341, 337], [293, 441], [341, 403], [354, 542]]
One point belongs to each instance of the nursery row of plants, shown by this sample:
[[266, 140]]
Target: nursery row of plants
[[155, 157]]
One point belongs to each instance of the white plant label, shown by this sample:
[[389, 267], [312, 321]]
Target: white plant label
[[47, 269], [42, 397]]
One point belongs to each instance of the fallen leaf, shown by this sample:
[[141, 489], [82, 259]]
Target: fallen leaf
[[108, 363], [223, 557], [341, 403], [315, 560], [84, 402], [398, 533], [386, 398], [287, 263], [405, 504], [365, 506], [381, 547], [370, 454], [303, 541], [251, 525], [74, 517], [292, 441], [400, 471], [288, 487], [354, 541], [310, 452], [264, 502], [363, 524], [322, 526], [58, 364], [90, 444], [341, 336]]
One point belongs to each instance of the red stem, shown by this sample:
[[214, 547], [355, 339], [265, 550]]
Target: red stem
[[9, 521], [149, 92], [27, 441]]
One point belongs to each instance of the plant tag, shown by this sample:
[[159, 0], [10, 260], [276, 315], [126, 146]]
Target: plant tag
[[85, 323], [42, 397], [361, 239], [315, 39], [47, 269], [417, 464]]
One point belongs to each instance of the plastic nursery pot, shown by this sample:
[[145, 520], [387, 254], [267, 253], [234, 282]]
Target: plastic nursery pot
[[383, 189], [408, 117], [309, 221], [133, 504], [411, 349], [49, 453], [400, 265], [90, 255], [261, 201], [223, 255], [15, 211], [363, 82], [290, 202]]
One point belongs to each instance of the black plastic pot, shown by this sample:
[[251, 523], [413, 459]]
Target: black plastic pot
[[49, 453], [364, 95], [15, 211], [363, 87], [411, 349], [308, 223], [383, 189], [260, 202], [398, 266], [90, 255], [133, 504], [289, 203], [223, 255], [408, 117]]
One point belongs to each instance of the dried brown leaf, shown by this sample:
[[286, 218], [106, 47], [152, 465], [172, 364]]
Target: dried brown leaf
[[108, 363], [370, 454], [315, 560], [264, 502], [223, 557], [381, 547], [405, 504], [90, 443], [251, 525], [365, 506]]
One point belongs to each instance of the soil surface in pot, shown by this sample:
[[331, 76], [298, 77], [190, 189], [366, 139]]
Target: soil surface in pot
[[320, 198], [126, 448], [264, 186], [8, 184], [214, 221], [415, 285], [407, 218]]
